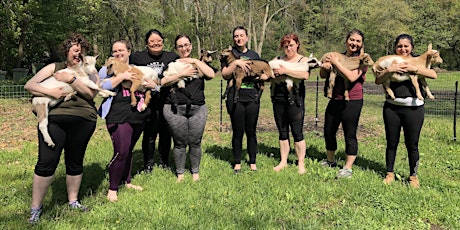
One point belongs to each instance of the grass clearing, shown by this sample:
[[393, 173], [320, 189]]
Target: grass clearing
[[249, 200]]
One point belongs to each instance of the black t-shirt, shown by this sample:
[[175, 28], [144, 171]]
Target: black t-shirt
[[192, 94], [405, 89], [246, 94], [121, 110]]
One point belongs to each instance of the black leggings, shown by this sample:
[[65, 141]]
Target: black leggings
[[243, 116], [289, 115], [347, 113], [411, 120], [156, 124], [71, 133]]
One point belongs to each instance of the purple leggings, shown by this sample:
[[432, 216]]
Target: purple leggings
[[124, 137]]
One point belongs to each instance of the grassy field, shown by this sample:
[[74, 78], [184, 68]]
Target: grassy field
[[249, 200]]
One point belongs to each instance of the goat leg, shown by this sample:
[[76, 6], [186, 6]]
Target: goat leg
[[414, 80], [134, 86], [426, 88], [42, 117], [346, 84], [332, 77]]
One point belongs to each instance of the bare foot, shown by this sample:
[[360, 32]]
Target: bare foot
[[280, 167], [196, 177], [180, 178], [253, 167], [302, 170], [135, 187], [112, 196]]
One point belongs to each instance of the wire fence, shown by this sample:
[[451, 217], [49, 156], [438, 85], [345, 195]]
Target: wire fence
[[444, 88]]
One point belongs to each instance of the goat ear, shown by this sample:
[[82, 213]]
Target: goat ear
[[311, 55], [96, 56], [211, 52], [430, 46], [230, 47]]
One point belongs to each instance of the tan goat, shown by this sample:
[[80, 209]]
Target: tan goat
[[425, 60], [142, 73], [350, 63], [256, 69]]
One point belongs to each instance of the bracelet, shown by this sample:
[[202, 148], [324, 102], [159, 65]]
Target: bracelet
[[73, 79]]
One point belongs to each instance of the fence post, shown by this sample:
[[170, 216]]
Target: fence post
[[221, 99], [455, 111], [316, 109]]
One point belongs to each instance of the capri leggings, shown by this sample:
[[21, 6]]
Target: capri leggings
[[289, 115], [187, 128], [71, 133], [347, 113], [411, 120], [244, 117]]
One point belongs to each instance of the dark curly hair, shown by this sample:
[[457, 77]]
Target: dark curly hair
[[74, 39]]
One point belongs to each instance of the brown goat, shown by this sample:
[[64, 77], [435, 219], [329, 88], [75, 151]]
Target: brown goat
[[350, 63], [142, 73], [423, 61], [256, 69]]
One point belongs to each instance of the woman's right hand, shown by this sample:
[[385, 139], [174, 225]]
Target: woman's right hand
[[243, 64], [57, 92], [398, 67]]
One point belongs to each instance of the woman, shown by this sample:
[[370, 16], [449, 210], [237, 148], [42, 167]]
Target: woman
[[339, 110], [71, 125], [290, 115], [158, 59], [244, 113], [185, 110], [124, 122], [405, 111]]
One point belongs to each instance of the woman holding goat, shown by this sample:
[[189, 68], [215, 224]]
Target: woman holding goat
[[185, 109], [405, 111], [343, 111], [124, 122], [71, 125], [243, 110], [289, 112]]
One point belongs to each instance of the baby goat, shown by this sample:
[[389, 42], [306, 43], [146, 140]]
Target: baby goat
[[256, 69], [311, 63], [425, 60], [178, 66], [141, 74], [41, 105], [350, 63]]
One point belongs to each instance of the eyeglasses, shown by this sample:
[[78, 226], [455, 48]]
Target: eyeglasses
[[118, 51], [183, 46]]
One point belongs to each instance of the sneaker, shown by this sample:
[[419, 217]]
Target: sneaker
[[326, 163], [35, 214], [344, 173], [77, 206]]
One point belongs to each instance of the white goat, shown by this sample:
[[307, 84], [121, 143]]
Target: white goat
[[299, 66], [142, 73], [178, 66], [41, 105], [423, 61]]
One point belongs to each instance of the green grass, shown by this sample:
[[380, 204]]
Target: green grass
[[260, 200]]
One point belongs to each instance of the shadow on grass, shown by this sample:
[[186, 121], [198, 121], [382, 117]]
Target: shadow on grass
[[363, 163], [93, 175]]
